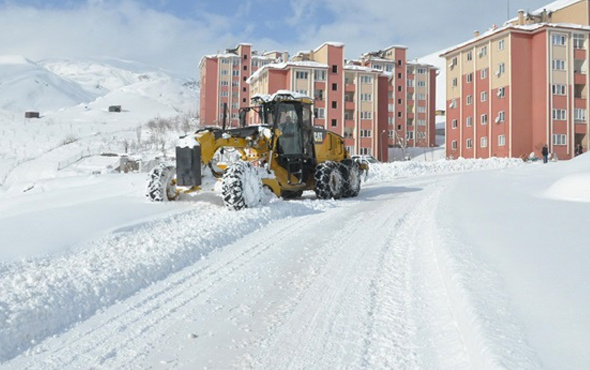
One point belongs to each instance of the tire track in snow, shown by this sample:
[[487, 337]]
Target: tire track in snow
[[120, 337], [325, 324], [44, 297]]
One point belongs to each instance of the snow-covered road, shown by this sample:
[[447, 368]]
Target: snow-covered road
[[426, 268], [353, 284]]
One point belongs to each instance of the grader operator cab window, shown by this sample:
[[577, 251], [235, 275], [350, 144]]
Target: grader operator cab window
[[294, 121]]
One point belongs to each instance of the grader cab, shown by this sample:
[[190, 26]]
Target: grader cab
[[282, 153]]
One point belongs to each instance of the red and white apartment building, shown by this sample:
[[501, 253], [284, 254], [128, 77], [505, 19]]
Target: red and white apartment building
[[377, 101], [518, 87]]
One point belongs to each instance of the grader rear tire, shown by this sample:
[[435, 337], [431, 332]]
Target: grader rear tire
[[161, 186], [328, 180], [241, 186], [352, 178]]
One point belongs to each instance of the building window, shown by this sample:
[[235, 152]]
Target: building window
[[559, 139], [454, 144], [501, 140], [224, 72], [421, 83], [399, 75], [302, 92], [334, 87], [469, 100], [390, 107], [367, 97], [318, 94], [501, 69], [320, 113], [469, 56], [245, 68], [557, 39], [410, 83], [558, 64], [469, 121], [469, 143], [484, 119], [558, 89], [483, 142], [421, 122], [453, 103], [365, 133], [454, 123], [469, 78], [559, 114], [334, 104], [501, 92], [501, 45], [419, 97], [421, 109], [501, 117], [483, 51], [484, 73], [579, 114], [578, 41], [224, 83], [319, 75], [366, 79], [399, 88], [334, 68], [399, 114], [366, 115], [334, 123], [235, 72], [301, 75], [484, 96], [224, 94]]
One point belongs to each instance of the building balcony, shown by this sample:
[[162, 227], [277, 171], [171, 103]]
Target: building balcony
[[348, 122], [580, 54], [349, 105], [349, 87]]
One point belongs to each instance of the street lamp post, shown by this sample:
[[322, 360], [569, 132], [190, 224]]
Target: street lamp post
[[382, 146]]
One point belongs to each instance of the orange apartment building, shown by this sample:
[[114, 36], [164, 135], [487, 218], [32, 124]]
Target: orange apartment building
[[516, 88], [223, 82], [375, 102]]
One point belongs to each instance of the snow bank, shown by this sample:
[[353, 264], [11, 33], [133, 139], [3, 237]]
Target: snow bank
[[572, 188], [41, 297], [382, 172]]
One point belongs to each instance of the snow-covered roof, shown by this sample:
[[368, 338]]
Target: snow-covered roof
[[330, 43], [281, 94], [284, 65], [526, 27], [551, 7]]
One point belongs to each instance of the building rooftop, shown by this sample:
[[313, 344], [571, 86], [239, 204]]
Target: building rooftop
[[525, 27]]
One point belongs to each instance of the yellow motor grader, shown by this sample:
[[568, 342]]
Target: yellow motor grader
[[284, 154]]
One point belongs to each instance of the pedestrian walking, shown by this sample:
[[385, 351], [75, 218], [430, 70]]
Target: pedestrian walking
[[545, 153]]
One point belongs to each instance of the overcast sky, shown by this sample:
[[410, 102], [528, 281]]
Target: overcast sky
[[175, 34]]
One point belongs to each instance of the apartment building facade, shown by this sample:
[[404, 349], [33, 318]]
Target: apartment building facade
[[516, 88], [372, 102], [223, 79]]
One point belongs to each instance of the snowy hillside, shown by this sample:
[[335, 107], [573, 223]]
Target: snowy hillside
[[73, 98], [27, 86]]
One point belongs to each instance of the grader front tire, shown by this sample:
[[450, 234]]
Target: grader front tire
[[241, 186]]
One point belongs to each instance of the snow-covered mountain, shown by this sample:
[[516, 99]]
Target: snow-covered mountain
[[28, 86], [55, 84]]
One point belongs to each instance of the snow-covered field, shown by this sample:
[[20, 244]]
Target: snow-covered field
[[462, 264]]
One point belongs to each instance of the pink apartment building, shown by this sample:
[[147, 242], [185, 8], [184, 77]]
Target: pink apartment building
[[513, 89], [375, 102]]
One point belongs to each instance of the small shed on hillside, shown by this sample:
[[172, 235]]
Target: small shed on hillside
[[115, 108], [32, 115]]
